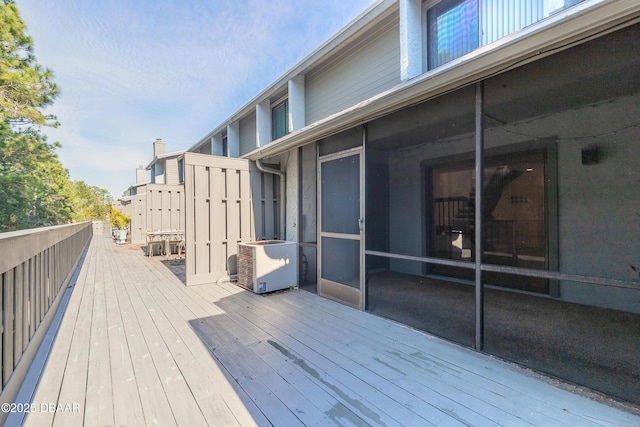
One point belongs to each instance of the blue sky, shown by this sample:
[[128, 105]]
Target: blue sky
[[131, 71]]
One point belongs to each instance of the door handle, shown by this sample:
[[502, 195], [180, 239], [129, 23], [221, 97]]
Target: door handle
[[360, 223]]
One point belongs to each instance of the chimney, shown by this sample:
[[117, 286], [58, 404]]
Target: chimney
[[158, 147], [141, 175]]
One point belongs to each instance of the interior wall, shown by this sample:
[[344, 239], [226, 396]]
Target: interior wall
[[598, 207], [599, 219]]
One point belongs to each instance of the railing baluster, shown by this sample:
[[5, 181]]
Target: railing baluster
[[33, 275]]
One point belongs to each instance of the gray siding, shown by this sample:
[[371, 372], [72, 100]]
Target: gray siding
[[366, 69], [138, 215], [165, 207], [247, 134], [229, 201], [205, 149], [219, 208], [171, 173]]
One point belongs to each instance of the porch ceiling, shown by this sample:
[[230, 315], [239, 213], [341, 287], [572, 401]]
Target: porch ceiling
[[602, 69]]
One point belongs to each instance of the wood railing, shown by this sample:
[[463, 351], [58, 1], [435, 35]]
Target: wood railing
[[36, 266]]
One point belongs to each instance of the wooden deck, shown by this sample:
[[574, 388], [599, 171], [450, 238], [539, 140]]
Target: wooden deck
[[136, 347]]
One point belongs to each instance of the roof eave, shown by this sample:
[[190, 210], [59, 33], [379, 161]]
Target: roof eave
[[581, 22]]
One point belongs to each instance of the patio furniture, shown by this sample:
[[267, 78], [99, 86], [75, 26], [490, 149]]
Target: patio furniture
[[163, 239]]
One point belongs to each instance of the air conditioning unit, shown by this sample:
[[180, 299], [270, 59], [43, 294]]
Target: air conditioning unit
[[267, 265]]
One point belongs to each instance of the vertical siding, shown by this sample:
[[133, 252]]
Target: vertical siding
[[165, 207], [363, 71], [247, 134], [218, 207], [265, 205], [502, 17], [139, 217]]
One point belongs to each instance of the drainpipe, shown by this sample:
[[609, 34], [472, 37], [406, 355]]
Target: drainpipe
[[283, 197]]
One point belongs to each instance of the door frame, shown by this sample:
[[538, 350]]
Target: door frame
[[327, 288]]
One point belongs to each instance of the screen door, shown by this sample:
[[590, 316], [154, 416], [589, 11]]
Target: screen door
[[341, 227]]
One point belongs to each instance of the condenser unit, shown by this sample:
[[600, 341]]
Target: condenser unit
[[267, 265]]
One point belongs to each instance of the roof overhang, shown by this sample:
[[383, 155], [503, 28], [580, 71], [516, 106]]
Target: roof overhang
[[585, 21], [362, 23], [164, 156]]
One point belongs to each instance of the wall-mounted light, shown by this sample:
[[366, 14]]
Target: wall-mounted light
[[590, 156]]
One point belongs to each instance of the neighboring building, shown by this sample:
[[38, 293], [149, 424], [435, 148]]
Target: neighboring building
[[158, 203], [373, 140]]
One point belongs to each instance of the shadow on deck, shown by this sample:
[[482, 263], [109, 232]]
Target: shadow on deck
[[137, 347]]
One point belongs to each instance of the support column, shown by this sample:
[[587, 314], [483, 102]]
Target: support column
[[296, 103], [216, 145], [263, 123], [478, 214], [410, 39], [233, 139]]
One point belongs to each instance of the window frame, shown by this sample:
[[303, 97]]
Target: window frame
[[284, 101], [428, 5]]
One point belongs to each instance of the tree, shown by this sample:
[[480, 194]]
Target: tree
[[89, 202], [33, 184], [25, 86], [35, 188]]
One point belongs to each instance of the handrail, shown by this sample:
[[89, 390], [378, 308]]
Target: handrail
[[35, 267]]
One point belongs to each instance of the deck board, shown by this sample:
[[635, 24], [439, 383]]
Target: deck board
[[137, 347]]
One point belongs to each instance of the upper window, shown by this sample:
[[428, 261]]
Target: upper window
[[280, 119], [456, 27], [452, 30]]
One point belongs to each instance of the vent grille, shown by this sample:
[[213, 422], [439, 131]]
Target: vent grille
[[246, 266]]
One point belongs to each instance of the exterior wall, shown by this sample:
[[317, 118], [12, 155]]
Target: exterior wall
[[171, 172], [291, 168], [157, 172], [247, 134], [264, 202], [366, 69], [206, 148], [165, 207]]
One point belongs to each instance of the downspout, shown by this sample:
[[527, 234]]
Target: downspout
[[282, 202]]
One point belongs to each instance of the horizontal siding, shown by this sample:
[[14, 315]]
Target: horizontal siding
[[364, 71], [171, 173], [205, 148], [247, 134]]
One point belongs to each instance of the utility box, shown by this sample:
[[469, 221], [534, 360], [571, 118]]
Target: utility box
[[267, 265]]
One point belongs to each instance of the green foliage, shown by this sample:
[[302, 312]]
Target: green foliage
[[89, 202], [119, 220], [25, 86], [32, 181], [35, 188]]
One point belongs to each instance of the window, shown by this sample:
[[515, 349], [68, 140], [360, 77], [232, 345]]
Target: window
[[457, 27], [452, 30], [280, 119], [225, 146]]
